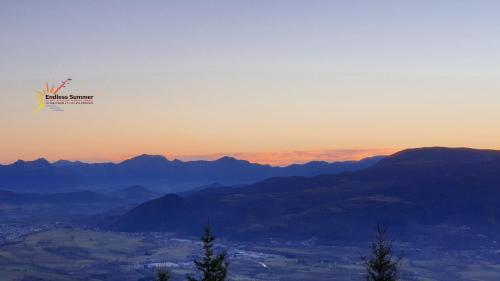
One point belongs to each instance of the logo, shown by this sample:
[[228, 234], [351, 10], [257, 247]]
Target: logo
[[51, 97]]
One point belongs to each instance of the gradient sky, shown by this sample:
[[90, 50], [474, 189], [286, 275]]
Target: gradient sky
[[270, 81]]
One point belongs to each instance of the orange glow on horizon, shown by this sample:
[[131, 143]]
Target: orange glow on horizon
[[282, 158]]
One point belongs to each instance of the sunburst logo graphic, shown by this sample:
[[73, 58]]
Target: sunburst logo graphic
[[41, 95]]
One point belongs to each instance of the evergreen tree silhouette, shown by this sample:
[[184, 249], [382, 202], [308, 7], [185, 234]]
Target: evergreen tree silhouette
[[211, 267], [382, 265], [163, 275]]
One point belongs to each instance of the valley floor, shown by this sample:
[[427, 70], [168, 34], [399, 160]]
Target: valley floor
[[58, 252]]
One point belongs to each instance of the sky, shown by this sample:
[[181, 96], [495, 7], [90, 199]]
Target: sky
[[273, 82]]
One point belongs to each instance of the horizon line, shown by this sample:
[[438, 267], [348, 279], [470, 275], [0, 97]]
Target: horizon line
[[279, 158], [276, 158]]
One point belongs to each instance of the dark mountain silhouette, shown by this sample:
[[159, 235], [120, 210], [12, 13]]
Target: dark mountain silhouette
[[154, 171], [171, 211], [427, 186]]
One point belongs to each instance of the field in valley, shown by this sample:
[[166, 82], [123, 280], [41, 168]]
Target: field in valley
[[66, 253]]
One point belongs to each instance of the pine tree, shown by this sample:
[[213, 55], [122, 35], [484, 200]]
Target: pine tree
[[211, 267], [163, 275], [382, 265]]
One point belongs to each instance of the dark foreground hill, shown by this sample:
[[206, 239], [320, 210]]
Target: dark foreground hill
[[412, 188], [155, 171]]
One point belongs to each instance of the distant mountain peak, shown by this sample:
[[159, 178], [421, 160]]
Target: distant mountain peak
[[229, 159], [150, 156], [37, 162], [62, 163], [143, 158]]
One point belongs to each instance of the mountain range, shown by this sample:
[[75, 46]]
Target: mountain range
[[453, 187], [154, 171]]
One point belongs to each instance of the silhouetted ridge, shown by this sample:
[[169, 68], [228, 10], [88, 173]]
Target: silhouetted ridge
[[62, 163], [146, 159], [40, 162], [440, 155], [229, 159], [155, 171], [427, 186]]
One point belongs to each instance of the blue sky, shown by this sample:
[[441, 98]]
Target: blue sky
[[218, 77]]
